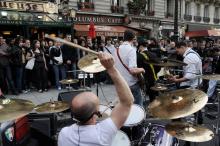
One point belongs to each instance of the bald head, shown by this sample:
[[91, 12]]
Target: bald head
[[84, 105]]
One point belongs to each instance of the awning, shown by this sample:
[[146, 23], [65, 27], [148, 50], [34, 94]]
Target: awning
[[82, 30], [203, 33]]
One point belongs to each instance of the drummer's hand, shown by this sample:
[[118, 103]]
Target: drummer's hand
[[173, 78], [106, 60]]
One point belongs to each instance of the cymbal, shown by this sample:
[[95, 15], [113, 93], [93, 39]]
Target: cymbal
[[14, 108], [69, 81], [91, 64], [52, 107], [178, 104], [211, 77], [159, 87], [165, 62], [189, 132]]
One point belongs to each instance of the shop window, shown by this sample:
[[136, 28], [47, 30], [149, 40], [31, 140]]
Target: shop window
[[85, 5], [206, 11], [187, 8], [198, 10]]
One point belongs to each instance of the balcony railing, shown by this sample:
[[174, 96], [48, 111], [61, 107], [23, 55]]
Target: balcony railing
[[169, 15], [117, 9], [188, 17], [85, 6], [206, 19], [150, 13], [216, 20], [197, 18]]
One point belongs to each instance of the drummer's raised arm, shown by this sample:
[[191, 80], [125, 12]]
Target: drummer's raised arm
[[122, 109]]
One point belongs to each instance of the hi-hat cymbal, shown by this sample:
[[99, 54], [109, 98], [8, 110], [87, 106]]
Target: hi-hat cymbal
[[52, 107], [14, 108], [91, 64], [189, 132], [178, 104], [69, 81], [159, 87], [211, 77], [165, 62]]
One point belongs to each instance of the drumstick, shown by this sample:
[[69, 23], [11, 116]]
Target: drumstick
[[71, 44]]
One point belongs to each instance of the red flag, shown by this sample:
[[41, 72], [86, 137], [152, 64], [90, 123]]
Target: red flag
[[92, 32]]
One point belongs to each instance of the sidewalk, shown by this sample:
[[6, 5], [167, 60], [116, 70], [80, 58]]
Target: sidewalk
[[106, 94]]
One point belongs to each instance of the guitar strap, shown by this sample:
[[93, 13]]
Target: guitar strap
[[122, 61]]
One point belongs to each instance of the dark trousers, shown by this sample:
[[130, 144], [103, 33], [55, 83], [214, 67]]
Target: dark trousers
[[41, 75]]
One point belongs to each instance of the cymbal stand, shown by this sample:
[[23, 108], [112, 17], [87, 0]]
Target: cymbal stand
[[1, 142]]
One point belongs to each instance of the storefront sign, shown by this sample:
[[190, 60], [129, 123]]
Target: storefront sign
[[29, 6], [85, 19], [34, 23]]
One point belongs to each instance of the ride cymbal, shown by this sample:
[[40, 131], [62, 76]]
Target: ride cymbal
[[177, 104], [90, 64], [189, 132], [11, 109], [211, 77], [52, 107], [165, 62], [69, 81]]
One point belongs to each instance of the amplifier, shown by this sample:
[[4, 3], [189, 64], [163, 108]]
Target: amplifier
[[68, 96]]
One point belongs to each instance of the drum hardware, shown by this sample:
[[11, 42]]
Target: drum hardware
[[177, 104], [189, 132], [52, 107]]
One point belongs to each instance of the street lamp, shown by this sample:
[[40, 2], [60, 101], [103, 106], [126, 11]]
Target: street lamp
[[176, 21], [72, 15]]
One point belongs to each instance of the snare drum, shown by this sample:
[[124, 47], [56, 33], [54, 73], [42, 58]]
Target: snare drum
[[121, 139], [133, 125], [105, 111], [157, 136]]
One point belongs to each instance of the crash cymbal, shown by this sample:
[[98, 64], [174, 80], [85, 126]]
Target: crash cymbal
[[91, 64], [14, 108], [69, 81], [52, 107], [165, 62], [211, 77], [177, 104], [159, 87], [189, 132]]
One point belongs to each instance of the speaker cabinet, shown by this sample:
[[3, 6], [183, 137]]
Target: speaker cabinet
[[68, 96]]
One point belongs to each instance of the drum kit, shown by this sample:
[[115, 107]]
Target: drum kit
[[168, 105]]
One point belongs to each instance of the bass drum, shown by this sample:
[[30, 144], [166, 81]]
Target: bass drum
[[157, 136], [121, 139]]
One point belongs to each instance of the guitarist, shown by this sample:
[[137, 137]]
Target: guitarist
[[150, 75], [126, 62]]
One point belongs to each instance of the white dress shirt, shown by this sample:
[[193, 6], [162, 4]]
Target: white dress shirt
[[193, 69]]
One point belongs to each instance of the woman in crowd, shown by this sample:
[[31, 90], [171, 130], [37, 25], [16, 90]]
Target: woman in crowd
[[40, 67]]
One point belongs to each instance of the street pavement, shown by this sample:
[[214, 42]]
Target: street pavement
[[107, 93]]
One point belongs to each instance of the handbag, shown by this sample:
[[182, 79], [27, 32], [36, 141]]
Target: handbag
[[59, 58], [30, 64]]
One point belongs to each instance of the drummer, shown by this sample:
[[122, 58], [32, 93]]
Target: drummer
[[192, 70], [85, 107]]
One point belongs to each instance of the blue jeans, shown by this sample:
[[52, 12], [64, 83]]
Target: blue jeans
[[19, 77], [59, 70], [136, 91]]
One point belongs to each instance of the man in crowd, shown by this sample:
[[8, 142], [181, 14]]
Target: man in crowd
[[110, 48], [85, 107], [126, 62], [69, 58]]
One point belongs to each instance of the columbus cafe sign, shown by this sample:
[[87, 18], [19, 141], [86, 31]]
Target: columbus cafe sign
[[97, 19], [29, 6]]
